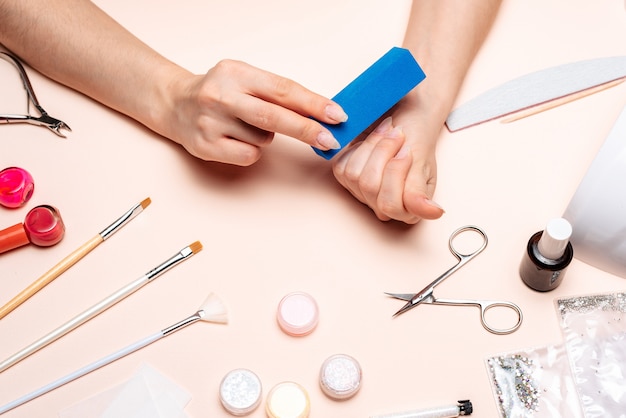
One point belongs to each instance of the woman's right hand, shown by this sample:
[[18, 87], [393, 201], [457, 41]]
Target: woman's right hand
[[232, 112]]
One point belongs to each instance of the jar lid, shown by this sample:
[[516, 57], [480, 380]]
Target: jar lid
[[297, 314], [288, 400], [340, 376], [240, 392]]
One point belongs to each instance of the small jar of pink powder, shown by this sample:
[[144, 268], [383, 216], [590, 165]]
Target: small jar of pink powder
[[297, 314]]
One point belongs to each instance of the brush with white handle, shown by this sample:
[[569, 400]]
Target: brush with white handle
[[101, 306], [212, 310]]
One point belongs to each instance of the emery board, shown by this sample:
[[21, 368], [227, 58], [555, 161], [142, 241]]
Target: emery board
[[372, 94], [539, 88]]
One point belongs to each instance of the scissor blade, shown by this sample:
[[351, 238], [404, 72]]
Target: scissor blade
[[401, 296], [409, 305], [411, 302], [412, 299]]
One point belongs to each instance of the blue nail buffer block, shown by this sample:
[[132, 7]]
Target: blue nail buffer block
[[372, 94]]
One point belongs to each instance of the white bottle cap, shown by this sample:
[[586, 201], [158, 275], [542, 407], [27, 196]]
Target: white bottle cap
[[555, 238]]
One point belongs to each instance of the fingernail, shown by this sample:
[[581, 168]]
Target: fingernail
[[396, 132], [327, 141], [384, 126], [433, 203], [336, 113], [403, 152]]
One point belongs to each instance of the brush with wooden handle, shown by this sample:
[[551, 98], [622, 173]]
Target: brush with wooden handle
[[73, 258]]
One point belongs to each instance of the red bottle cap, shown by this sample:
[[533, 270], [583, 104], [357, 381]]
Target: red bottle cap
[[44, 226]]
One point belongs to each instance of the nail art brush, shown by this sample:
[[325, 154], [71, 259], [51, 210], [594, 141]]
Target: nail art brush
[[73, 258], [212, 310], [103, 305]]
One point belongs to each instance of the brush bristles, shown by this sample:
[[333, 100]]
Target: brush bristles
[[196, 247], [144, 203], [214, 310]]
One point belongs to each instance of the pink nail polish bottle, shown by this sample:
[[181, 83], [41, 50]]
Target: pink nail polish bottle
[[43, 227], [16, 187]]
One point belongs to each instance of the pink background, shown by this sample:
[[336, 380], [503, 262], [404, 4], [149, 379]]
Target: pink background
[[285, 225]]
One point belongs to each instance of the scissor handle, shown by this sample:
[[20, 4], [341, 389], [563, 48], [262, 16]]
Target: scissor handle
[[23, 75], [484, 306], [463, 257]]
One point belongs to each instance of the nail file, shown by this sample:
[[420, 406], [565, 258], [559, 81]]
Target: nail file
[[372, 94], [538, 88]]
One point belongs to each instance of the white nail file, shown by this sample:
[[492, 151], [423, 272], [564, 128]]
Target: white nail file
[[538, 88]]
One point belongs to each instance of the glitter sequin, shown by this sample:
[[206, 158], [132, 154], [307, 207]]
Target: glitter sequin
[[340, 376], [605, 302], [514, 383], [240, 392]]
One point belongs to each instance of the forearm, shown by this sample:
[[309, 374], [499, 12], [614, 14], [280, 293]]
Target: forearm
[[77, 44], [444, 36]]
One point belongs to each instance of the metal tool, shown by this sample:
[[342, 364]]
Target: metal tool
[[45, 120], [426, 295]]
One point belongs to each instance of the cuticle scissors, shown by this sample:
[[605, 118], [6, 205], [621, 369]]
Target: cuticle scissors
[[45, 120], [426, 294]]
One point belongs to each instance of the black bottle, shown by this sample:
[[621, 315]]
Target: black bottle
[[547, 256]]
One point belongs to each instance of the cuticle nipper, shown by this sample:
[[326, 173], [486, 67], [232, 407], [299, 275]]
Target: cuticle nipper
[[45, 120]]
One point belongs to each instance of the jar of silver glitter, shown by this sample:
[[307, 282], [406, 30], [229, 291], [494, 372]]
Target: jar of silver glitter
[[240, 392], [340, 376]]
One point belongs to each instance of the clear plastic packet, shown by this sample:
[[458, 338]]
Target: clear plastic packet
[[534, 383], [594, 331], [148, 394]]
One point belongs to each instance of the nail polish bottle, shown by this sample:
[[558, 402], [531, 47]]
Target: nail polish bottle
[[16, 187], [547, 256]]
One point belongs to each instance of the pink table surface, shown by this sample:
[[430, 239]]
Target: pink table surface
[[285, 225]]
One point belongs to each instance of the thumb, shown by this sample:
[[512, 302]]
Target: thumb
[[418, 192]]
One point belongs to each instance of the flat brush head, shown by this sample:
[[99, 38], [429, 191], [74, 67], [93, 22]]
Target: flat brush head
[[196, 247], [213, 310], [144, 203]]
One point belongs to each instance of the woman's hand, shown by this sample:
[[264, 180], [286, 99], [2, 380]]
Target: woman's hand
[[233, 111], [393, 170]]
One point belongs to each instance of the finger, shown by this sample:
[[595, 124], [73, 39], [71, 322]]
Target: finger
[[371, 179], [291, 95], [351, 163], [217, 141], [274, 118], [247, 133], [225, 150], [236, 152], [420, 185], [391, 197]]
